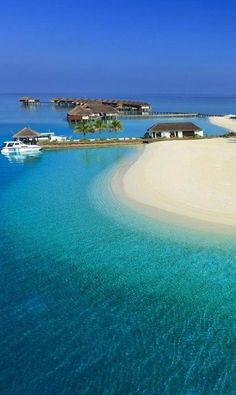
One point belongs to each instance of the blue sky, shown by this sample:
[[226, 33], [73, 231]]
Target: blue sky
[[118, 47]]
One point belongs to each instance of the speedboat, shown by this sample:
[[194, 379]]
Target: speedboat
[[19, 147]]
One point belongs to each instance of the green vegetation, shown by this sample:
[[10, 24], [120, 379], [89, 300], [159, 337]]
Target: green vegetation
[[146, 136], [97, 126], [115, 126], [83, 127]]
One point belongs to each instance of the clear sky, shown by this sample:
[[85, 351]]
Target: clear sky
[[175, 46]]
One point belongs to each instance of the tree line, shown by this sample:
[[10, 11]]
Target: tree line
[[98, 125]]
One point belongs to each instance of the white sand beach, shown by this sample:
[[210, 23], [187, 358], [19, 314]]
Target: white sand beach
[[224, 122], [194, 179]]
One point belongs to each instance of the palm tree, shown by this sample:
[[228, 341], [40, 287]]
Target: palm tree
[[82, 127], [115, 125], [99, 125], [91, 127]]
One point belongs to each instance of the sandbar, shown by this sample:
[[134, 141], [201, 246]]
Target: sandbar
[[193, 179], [224, 122]]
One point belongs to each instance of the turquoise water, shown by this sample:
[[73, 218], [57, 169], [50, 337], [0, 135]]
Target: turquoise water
[[96, 299]]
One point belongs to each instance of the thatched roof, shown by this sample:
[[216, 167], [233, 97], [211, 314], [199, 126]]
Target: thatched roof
[[90, 108], [80, 110], [24, 98], [55, 99], [97, 107], [26, 133], [174, 126], [28, 98], [112, 102], [124, 102]]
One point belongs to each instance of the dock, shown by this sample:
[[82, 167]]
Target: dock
[[126, 141], [85, 143], [158, 114]]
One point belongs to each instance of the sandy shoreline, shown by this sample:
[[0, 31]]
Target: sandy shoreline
[[194, 180], [224, 122]]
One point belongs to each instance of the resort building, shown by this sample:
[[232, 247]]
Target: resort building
[[101, 110], [92, 111], [29, 100], [27, 136], [64, 101], [129, 106], [177, 129], [116, 106], [79, 113]]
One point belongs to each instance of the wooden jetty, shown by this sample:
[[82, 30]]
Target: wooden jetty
[[85, 143]]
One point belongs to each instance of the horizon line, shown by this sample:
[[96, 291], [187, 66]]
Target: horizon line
[[175, 94]]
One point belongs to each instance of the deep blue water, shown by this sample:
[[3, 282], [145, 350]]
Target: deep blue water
[[96, 299]]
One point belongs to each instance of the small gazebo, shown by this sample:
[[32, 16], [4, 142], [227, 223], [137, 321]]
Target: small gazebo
[[27, 135]]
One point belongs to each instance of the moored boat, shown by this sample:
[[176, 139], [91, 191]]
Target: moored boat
[[18, 147]]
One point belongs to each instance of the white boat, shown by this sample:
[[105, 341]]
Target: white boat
[[18, 147]]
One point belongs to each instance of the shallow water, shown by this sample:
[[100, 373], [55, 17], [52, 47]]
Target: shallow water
[[92, 304], [96, 299]]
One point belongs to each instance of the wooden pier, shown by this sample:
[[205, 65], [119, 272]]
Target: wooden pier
[[120, 142], [85, 143], [159, 115]]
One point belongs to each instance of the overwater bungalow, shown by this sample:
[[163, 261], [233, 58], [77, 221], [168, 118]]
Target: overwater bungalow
[[103, 111], [55, 100], [27, 136], [131, 107], [29, 100], [64, 101], [175, 129], [91, 111], [79, 113]]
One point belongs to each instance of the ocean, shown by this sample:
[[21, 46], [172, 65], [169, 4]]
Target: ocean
[[95, 298]]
